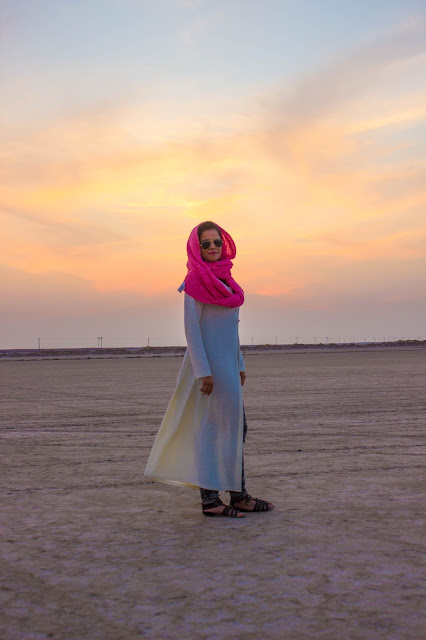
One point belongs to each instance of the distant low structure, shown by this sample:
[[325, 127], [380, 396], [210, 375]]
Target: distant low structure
[[153, 352]]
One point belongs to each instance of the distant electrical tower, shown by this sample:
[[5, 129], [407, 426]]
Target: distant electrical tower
[[100, 342]]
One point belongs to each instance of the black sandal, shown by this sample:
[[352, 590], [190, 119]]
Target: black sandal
[[228, 512], [261, 505]]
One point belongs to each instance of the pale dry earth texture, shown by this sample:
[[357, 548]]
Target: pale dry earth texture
[[91, 550]]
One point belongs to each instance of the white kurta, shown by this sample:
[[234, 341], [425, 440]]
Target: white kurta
[[200, 439]]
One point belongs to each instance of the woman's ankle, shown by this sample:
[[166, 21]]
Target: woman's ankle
[[238, 496]]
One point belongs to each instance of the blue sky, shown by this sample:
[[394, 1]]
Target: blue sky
[[76, 50]]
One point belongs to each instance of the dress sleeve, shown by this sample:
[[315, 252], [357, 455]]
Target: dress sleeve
[[197, 352], [241, 361], [241, 364]]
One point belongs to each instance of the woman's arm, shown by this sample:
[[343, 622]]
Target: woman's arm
[[192, 314]]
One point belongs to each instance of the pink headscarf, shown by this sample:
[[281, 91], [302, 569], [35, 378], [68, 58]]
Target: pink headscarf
[[202, 280]]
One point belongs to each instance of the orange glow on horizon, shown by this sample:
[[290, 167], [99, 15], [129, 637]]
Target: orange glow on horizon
[[117, 213]]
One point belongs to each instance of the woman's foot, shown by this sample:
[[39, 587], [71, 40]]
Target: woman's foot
[[218, 509], [249, 504]]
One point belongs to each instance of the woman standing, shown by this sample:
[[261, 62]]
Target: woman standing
[[200, 441]]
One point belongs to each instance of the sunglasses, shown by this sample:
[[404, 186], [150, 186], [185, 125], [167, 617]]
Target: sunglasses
[[205, 244]]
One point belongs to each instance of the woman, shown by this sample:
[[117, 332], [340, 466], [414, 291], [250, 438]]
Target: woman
[[200, 441]]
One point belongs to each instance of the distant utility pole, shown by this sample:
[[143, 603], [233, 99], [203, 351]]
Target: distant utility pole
[[326, 340], [100, 338], [148, 342], [252, 342], [39, 343], [276, 340]]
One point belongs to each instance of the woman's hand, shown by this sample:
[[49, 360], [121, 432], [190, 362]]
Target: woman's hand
[[243, 377], [207, 386]]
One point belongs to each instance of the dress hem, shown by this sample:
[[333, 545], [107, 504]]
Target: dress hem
[[184, 483]]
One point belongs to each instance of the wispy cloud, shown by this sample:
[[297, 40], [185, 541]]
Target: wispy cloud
[[349, 77]]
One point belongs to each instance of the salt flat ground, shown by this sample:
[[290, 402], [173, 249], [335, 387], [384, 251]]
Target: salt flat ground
[[90, 549]]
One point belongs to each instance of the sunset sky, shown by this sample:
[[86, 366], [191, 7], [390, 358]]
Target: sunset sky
[[297, 125]]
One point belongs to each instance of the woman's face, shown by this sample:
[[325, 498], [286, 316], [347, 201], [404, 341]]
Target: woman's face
[[212, 253]]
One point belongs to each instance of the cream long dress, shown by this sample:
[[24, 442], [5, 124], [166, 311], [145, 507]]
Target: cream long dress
[[200, 440]]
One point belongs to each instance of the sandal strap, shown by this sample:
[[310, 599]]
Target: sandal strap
[[211, 505], [230, 512], [261, 505]]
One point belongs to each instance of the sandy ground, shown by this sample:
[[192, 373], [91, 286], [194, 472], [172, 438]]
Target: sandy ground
[[90, 549]]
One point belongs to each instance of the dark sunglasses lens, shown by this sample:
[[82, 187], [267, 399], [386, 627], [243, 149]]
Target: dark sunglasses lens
[[206, 243]]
